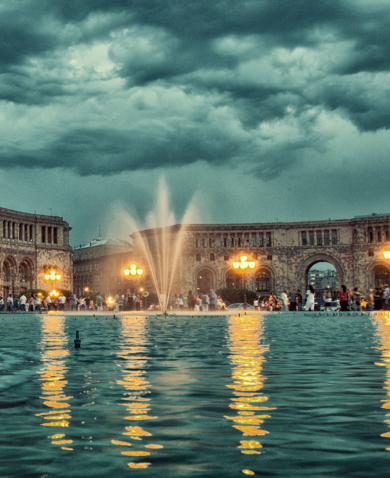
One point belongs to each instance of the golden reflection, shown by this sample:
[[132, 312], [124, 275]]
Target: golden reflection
[[52, 379], [382, 322], [246, 335], [132, 350]]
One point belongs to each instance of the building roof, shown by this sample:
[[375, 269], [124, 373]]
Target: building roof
[[103, 242]]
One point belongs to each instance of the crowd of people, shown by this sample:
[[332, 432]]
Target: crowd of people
[[342, 299]]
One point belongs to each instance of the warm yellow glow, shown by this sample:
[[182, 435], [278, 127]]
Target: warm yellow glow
[[133, 266], [126, 272], [236, 265], [52, 272], [53, 276], [86, 289], [386, 254], [252, 264], [243, 258], [140, 271], [47, 276], [141, 289]]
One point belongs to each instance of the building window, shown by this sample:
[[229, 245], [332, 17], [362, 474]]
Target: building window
[[326, 238], [371, 253], [55, 235], [311, 238], [387, 235], [261, 240], [212, 257], [43, 234], [225, 242], [225, 258], [381, 276], [239, 242], [211, 243], [198, 257], [253, 242], [263, 282], [31, 233], [20, 232], [304, 238], [269, 258], [379, 236], [370, 235], [319, 239], [334, 237], [204, 242]]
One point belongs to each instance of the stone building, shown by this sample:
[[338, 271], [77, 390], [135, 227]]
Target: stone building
[[284, 253], [30, 245], [98, 266]]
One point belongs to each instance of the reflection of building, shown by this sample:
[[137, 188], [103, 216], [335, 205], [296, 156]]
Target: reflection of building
[[29, 245], [285, 252], [322, 279], [99, 265]]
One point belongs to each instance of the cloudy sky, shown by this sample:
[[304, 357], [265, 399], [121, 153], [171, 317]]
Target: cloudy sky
[[258, 110]]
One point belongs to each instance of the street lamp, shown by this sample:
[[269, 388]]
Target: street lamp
[[52, 277], [133, 271], [386, 254], [243, 266]]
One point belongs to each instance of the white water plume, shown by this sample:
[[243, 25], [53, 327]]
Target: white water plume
[[158, 242]]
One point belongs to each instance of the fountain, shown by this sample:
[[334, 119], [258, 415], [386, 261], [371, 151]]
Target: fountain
[[160, 241]]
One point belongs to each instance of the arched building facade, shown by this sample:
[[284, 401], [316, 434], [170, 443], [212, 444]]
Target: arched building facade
[[30, 244], [284, 253]]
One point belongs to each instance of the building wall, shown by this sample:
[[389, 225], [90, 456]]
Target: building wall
[[283, 251], [99, 267], [30, 244]]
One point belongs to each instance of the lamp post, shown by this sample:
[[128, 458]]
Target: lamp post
[[53, 277], [133, 271], [243, 266]]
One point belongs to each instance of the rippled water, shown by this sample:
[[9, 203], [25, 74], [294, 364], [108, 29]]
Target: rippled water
[[270, 395]]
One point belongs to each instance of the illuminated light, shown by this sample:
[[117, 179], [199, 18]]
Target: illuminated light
[[250, 399], [126, 272], [140, 417], [251, 444], [133, 266], [57, 417], [123, 443], [59, 435], [251, 452], [251, 431], [135, 453], [155, 447], [252, 265], [65, 448], [137, 431], [52, 272], [56, 397], [386, 254], [62, 442], [236, 265], [56, 405], [55, 424], [52, 413], [47, 276], [139, 271], [139, 465], [248, 472], [243, 258], [387, 435]]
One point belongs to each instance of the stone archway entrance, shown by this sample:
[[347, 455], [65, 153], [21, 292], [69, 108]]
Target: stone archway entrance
[[9, 272], [308, 263], [381, 276], [204, 281]]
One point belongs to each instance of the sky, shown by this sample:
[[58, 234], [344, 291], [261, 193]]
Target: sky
[[253, 111]]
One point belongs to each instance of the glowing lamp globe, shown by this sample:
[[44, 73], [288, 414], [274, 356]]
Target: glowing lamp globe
[[386, 254], [236, 265]]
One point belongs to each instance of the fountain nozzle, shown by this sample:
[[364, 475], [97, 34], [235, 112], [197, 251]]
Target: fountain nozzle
[[77, 341]]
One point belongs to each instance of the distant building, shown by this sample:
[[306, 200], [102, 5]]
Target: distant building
[[322, 279], [30, 245], [98, 266]]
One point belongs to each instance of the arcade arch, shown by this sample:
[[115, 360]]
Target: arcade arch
[[204, 280], [319, 263]]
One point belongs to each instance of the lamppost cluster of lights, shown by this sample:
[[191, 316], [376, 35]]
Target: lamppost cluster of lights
[[243, 266], [53, 277]]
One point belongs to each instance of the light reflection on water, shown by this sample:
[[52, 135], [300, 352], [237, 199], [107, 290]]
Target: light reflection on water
[[246, 334], [132, 350], [382, 321], [53, 381]]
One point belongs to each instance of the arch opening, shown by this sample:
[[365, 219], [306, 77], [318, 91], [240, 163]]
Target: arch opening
[[263, 281], [322, 275], [381, 276], [204, 281], [232, 280]]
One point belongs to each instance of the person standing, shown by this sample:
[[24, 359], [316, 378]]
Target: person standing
[[37, 303], [284, 299], [293, 301], [10, 303], [256, 304], [327, 299], [299, 300], [205, 303], [99, 302], [23, 300], [62, 300], [191, 300], [343, 298], [213, 300], [377, 298], [370, 299], [48, 302], [73, 302], [310, 298]]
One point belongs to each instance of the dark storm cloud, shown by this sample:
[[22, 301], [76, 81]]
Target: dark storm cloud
[[103, 87]]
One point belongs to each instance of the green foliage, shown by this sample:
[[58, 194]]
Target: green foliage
[[234, 295]]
